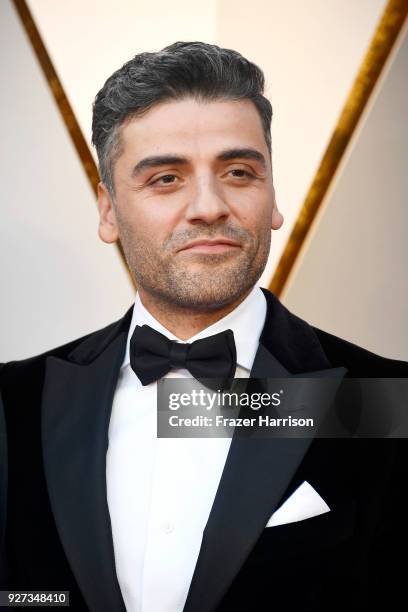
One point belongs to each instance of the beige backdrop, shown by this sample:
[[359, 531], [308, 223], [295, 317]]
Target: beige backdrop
[[352, 276], [60, 282]]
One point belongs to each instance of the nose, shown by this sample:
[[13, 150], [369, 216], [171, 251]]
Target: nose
[[206, 204]]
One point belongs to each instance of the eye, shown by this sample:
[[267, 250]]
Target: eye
[[240, 173], [166, 179]]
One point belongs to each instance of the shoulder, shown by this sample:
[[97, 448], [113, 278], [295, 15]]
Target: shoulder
[[302, 347], [29, 371], [32, 369], [359, 361]]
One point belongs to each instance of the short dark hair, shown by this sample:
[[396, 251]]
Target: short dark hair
[[181, 70]]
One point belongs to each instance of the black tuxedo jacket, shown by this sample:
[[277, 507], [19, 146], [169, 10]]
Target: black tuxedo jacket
[[55, 530]]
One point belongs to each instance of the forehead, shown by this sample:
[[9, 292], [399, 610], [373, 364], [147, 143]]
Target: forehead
[[192, 127]]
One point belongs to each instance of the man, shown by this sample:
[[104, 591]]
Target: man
[[94, 503]]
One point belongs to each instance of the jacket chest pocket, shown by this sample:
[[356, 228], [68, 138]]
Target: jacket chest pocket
[[307, 536]]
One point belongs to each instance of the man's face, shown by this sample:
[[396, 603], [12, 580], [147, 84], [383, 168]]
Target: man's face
[[194, 202]]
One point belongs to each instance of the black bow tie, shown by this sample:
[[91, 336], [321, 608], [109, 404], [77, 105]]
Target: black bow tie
[[152, 355]]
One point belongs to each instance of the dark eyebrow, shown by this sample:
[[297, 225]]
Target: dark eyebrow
[[157, 160], [242, 153]]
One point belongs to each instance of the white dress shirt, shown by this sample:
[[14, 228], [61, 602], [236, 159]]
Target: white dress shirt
[[160, 491]]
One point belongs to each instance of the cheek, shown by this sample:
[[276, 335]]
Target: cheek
[[146, 222], [254, 212]]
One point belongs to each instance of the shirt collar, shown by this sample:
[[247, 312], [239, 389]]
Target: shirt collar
[[246, 321]]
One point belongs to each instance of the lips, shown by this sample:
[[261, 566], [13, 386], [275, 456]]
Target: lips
[[218, 245]]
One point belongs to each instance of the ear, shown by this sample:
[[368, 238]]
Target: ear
[[108, 227], [277, 217]]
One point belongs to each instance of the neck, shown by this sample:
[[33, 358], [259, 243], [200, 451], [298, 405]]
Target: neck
[[185, 322]]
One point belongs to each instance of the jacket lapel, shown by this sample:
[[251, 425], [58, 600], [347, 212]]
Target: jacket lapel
[[257, 471], [77, 401]]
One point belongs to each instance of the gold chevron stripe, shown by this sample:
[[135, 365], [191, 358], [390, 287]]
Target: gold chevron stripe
[[388, 28], [67, 114]]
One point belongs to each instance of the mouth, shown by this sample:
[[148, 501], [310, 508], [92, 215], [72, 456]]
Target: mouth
[[211, 246]]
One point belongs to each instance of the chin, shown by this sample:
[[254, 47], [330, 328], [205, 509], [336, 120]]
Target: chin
[[208, 298]]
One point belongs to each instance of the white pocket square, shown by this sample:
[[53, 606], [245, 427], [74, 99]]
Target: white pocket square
[[304, 503]]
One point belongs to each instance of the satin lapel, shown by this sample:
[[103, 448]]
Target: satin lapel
[[76, 407], [256, 475]]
